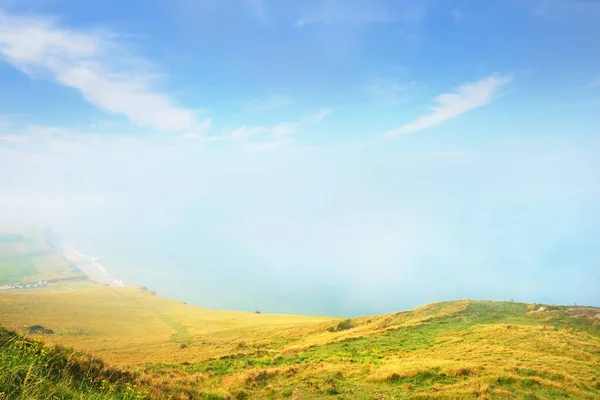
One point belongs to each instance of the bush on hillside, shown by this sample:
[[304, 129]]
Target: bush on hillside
[[342, 326], [38, 329]]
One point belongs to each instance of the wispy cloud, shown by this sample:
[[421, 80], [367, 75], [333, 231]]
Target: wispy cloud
[[388, 93], [450, 105], [199, 130], [564, 8], [318, 116], [359, 12], [244, 132], [5, 121], [262, 138], [258, 9], [457, 14], [271, 103], [263, 146], [94, 64], [284, 129]]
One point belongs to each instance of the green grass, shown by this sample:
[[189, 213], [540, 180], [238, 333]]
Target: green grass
[[487, 350], [451, 350], [12, 270], [31, 370], [180, 336]]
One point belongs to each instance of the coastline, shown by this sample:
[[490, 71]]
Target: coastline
[[90, 266]]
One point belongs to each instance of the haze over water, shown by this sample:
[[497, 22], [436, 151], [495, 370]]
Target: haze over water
[[333, 158]]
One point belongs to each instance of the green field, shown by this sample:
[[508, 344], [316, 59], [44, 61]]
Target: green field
[[13, 270], [28, 258]]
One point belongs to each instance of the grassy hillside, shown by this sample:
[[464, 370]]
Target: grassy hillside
[[129, 326], [461, 349], [29, 369], [467, 349]]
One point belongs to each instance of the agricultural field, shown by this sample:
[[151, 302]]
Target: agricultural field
[[460, 349], [29, 258], [15, 269]]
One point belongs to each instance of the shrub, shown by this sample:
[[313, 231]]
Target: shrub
[[332, 390], [35, 329], [212, 396], [260, 378], [342, 326], [241, 395]]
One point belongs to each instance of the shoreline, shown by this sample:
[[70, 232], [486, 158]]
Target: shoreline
[[90, 266]]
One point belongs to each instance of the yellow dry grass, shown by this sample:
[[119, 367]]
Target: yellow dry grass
[[129, 326], [452, 350], [461, 349]]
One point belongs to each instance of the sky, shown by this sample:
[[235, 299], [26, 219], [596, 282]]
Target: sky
[[331, 157]]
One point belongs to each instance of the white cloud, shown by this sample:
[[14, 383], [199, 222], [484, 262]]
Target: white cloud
[[280, 130], [200, 130], [457, 14], [450, 105], [284, 129], [50, 141], [388, 93], [5, 121], [359, 12], [346, 13], [12, 139], [94, 64], [564, 8], [258, 9], [271, 103], [319, 116], [274, 136], [244, 132], [263, 146]]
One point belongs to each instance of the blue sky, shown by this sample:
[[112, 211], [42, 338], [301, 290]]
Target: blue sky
[[322, 157]]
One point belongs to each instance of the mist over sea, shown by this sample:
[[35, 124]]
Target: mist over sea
[[337, 265], [340, 232]]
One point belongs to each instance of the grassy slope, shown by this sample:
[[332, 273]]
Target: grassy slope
[[460, 349], [446, 350], [29, 369], [129, 326]]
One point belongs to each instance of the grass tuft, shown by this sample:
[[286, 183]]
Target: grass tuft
[[30, 369]]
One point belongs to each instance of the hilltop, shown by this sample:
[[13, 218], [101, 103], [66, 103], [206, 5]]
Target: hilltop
[[457, 349]]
